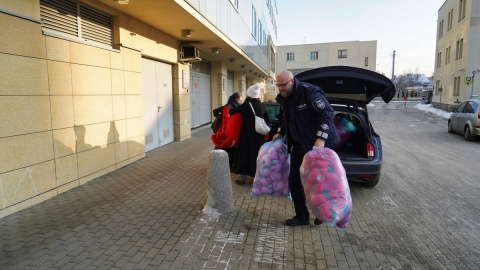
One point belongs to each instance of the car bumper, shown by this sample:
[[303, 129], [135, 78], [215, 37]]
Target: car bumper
[[476, 131], [361, 170]]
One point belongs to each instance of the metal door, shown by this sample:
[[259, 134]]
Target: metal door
[[200, 99], [158, 103]]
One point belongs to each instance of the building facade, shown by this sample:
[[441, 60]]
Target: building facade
[[457, 55], [90, 86], [298, 58]]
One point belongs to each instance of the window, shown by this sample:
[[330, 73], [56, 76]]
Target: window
[[265, 42], [459, 49], [447, 55], [439, 59], [234, 3], [342, 53], [290, 57], [440, 29], [314, 55], [461, 106], [474, 106], [254, 23], [437, 85], [456, 86], [260, 30], [366, 61], [76, 21], [272, 59], [450, 20], [461, 9], [468, 108]]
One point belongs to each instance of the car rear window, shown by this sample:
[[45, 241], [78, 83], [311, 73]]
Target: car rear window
[[273, 112]]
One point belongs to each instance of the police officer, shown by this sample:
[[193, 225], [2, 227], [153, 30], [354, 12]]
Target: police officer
[[307, 121]]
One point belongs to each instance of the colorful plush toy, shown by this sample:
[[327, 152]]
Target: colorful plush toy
[[273, 166], [345, 130], [326, 187]]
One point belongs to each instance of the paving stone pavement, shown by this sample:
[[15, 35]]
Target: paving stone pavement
[[148, 215]]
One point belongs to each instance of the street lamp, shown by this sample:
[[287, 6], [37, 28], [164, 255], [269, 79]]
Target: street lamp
[[473, 81]]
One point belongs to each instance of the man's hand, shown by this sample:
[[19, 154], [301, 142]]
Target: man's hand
[[277, 136], [319, 143]]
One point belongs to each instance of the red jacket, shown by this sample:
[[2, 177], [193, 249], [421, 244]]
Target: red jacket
[[227, 136]]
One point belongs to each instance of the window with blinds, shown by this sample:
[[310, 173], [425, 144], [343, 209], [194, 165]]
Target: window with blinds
[[75, 20]]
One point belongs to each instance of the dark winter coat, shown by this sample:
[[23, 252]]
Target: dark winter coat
[[250, 141], [307, 116]]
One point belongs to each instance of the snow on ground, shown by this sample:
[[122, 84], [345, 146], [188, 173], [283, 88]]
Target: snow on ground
[[423, 107], [429, 108]]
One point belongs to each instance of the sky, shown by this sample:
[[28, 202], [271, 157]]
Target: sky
[[408, 26]]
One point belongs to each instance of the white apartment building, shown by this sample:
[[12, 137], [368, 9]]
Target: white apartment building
[[457, 52], [298, 58]]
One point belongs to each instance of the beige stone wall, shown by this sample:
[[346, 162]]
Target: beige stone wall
[[70, 113], [328, 55]]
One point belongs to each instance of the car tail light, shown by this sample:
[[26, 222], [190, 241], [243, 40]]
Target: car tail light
[[370, 150]]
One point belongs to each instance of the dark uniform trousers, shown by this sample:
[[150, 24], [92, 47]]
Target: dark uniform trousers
[[295, 183]]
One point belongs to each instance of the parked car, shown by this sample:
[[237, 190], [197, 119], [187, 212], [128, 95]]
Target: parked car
[[273, 110], [349, 90], [465, 119]]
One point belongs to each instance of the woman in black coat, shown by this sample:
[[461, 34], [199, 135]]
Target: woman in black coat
[[250, 141]]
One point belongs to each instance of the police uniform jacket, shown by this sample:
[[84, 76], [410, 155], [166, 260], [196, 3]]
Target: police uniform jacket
[[306, 116]]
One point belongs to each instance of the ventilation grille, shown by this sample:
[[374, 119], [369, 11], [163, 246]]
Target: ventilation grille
[[59, 16], [96, 26], [70, 18]]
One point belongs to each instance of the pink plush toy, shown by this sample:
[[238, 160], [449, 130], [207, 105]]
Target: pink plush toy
[[326, 187], [273, 165]]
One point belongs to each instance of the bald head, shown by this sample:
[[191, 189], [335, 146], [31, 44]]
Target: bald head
[[285, 83], [284, 75]]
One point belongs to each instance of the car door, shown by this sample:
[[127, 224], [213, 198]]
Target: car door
[[455, 117], [466, 115]]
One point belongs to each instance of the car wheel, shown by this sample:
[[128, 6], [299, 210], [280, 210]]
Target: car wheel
[[372, 182], [450, 128], [468, 134]]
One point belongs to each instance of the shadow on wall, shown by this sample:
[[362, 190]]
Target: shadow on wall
[[92, 203], [82, 164], [93, 158]]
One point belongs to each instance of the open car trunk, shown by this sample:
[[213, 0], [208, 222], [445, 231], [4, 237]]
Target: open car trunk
[[356, 84], [353, 136]]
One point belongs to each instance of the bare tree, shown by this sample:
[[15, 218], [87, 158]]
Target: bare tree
[[408, 79]]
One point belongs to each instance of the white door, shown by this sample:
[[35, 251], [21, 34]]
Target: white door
[[200, 99], [158, 103]]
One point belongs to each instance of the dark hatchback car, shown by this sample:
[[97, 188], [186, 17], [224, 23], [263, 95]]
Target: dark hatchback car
[[349, 90]]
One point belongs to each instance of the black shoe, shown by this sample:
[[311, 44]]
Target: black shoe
[[240, 182], [317, 221], [296, 222]]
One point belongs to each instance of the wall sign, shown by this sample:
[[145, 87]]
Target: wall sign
[[184, 79]]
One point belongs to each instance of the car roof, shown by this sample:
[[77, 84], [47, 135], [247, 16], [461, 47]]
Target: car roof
[[352, 83]]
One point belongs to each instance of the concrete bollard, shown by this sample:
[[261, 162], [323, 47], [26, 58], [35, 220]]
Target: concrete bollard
[[219, 183]]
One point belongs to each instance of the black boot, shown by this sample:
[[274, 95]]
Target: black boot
[[317, 221]]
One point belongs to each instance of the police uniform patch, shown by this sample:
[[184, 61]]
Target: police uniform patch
[[320, 104]]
